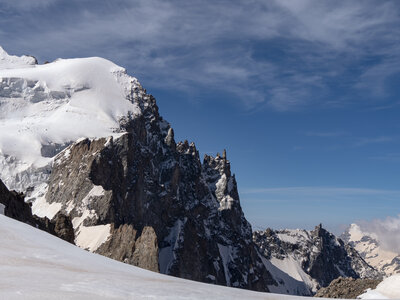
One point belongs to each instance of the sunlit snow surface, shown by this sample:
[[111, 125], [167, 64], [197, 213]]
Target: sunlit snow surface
[[387, 289], [56, 103], [36, 265]]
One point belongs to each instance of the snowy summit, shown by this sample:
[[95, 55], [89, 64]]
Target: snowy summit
[[46, 107]]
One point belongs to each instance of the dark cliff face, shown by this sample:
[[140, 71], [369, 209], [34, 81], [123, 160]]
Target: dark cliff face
[[167, 210], [321, 255], [15, 207]]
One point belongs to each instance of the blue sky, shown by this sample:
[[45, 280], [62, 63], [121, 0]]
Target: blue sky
[[304, 95]]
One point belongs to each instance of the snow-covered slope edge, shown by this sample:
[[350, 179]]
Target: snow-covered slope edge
[[387, 289], [36, 265]]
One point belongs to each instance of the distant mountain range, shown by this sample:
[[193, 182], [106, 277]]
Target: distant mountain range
[[303, 261]]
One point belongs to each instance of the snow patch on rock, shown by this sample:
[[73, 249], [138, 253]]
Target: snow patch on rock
[[92, 237], [40, 207]]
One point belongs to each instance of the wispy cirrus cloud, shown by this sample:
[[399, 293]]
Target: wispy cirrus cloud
[[284, 55], [317, 191], [327, 134], [364, 141], [388, 157]]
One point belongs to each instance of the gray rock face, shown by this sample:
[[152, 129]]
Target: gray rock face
[[319, 255], [121, 244], [63, 228], [347, 288], [146, 244], [166, 210]]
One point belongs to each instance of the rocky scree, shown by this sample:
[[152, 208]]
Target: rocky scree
[[347, 288]]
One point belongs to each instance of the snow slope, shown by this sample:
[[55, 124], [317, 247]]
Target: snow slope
[[43, 108], [36, 265], [367, 244], [387, 289]]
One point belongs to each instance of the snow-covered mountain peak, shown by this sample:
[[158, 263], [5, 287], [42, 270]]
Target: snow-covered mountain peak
[[10, 61], [43, 108], [355, 233], [370, 249]]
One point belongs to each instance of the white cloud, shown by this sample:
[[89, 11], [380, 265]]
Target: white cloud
[[387, 231]]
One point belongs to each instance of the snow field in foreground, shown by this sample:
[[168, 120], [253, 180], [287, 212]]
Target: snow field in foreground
[[36, 265]]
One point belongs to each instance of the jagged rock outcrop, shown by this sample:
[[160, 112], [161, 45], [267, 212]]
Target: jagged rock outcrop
[[63, 227], [14, 205], [315, 257], [347, 288], [146, 250], [121, 244], [127, 245], [143, 199], [16, 208]]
